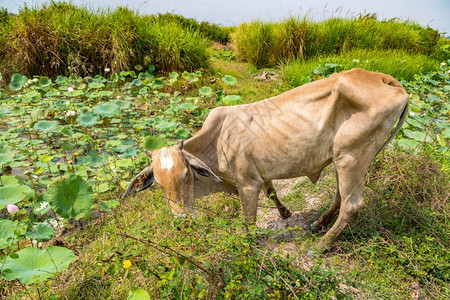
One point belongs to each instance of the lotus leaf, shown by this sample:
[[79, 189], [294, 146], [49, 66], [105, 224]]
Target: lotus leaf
[[205, 91], [88, 119], [74, 93], [154, 143], [13, 194], [37, 114], [71, 196], [106, 93], [42, 233], [122, 104], [230, 80], [6, 158], [151, 68], [138, 294], [157, 84], [18, 111], [108, 206], [96, 85], [232, 100], [9, 180], [44, 81], [96, 160], [46, 126], [4, 112], [7, 228], [124, 163], [17, 81], [182, 133], [136, 82], [107, 110], [417, 135], [164, 125], [61, 80], [32, 265], [188, 106]]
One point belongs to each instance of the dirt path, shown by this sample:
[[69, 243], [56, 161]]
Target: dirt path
[[268, 217]]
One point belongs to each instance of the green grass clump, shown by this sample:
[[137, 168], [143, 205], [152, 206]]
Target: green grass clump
[[61, 38], [211, 31], [171, 47], [398, 64], [255, 43], [264, 44]]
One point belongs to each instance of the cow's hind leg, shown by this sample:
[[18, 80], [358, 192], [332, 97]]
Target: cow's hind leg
[[326, 218], [350, 186], [272, 194]]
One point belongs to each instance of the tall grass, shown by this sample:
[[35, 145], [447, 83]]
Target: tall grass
[[255, 43], [211, 31], [303, 38], [61, 38]]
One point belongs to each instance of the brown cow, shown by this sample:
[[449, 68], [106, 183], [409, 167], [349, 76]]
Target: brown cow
[[343, 119]]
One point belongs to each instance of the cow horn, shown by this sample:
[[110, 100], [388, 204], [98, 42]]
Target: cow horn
[[180, 145], [149, 153]]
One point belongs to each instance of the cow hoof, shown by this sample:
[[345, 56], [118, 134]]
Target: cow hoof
[[285, 213], [316, 229]]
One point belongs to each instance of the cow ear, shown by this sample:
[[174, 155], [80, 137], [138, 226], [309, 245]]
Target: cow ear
[[149, 153], [180, 145], [140, 182], [200, 167]]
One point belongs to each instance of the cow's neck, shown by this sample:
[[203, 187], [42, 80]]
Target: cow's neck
[[203, 145]]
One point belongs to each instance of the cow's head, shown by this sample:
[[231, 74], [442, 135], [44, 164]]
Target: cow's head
[[174, 170]]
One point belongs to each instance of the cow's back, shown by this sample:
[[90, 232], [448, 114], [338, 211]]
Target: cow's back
[[295, 133]]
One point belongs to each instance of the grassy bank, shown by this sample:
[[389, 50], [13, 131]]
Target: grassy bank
[[61, 39], [267, 44]]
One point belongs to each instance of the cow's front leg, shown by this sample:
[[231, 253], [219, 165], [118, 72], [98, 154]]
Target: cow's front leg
[[272, 194], [249, 200]]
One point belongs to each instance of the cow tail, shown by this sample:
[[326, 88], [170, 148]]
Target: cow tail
[[397, 128]]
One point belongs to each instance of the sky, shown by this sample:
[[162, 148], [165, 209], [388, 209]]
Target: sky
[[433, 13]]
